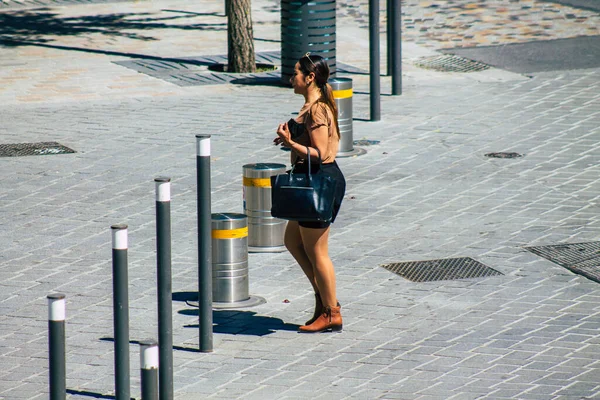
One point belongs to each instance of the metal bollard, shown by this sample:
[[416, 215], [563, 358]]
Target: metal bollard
[[164, 285], [205, 316], [230, 262], [342, 92], [56, 346], [374, 62], [149, 369], [265, 233], [120, 311]]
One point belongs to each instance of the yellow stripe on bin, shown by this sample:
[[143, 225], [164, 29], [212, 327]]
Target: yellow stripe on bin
[[229, 233], [257, 182], [342, 94]]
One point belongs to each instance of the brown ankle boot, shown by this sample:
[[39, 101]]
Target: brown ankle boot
[[330, 319], [318, 309]]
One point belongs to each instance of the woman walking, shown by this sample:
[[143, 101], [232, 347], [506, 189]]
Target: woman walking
[[316, 127]]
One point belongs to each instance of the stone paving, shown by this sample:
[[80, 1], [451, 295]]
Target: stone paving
[[425, 192]]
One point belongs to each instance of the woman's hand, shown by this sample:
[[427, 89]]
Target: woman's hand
[[283, 135]]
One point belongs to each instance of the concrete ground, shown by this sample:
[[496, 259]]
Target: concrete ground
[[425, 192]]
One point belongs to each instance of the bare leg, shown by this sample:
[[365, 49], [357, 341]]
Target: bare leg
[[316, 247], [293, 242]]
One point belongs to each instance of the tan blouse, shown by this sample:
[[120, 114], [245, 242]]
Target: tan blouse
[[313, 116]]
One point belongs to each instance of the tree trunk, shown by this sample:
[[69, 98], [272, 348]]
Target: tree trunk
[[240, 40]]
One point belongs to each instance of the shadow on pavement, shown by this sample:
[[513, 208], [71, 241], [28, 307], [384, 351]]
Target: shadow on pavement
[[37, 25], [235, 322], [89, 394]]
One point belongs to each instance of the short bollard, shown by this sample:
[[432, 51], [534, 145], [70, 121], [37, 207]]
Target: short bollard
[[120, 311], [205, 317], [342, 93], [149, 369], [165, 295], [56, 346], [265, 232], [230, 262]]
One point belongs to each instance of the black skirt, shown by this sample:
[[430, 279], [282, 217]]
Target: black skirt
[[332, 170]]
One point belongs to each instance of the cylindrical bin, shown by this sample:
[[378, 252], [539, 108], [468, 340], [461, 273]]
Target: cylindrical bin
[[265, 233], [230, 281], [342, 92], [229, 257], [306, 26]]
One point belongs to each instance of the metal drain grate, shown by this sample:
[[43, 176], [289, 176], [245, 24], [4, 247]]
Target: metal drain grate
[[365, 142], [33, 149], [580, 258], [441, 270], [503, 155], [450, 63]]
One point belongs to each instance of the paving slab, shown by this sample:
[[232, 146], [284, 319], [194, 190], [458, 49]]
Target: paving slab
[[426, 191]]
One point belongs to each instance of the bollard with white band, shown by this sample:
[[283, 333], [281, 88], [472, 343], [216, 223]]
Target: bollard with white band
[[164, 286], [120, 311], [149, 361], [204, 244], [56, 346]]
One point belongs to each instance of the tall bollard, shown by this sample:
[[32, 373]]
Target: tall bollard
[[121, 311], [165, 293], [56, 346], [204, 244], [149, 369], [374, 62], [395, 47]]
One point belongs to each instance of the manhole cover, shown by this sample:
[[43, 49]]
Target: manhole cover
[[503, 155], [441, 270], [450, 63], [580, 258], [33, 149]]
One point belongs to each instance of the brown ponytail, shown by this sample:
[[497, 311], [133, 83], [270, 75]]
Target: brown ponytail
[[328, 99]]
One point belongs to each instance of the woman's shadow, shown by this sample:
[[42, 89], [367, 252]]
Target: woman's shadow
[[236, 322]]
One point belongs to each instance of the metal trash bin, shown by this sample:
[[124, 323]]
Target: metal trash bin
[[306, 26], [342, 92], [265, 233]]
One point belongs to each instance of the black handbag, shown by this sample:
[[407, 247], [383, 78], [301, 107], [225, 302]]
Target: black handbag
[[303, 196]]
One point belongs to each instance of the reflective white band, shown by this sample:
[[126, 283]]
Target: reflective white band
[[148, 357], [203, 147], [119, 239], [163, 191], [57, 309]]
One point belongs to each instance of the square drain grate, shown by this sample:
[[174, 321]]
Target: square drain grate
[[33, 149], [580, 258], [450, 63], [441, 270]]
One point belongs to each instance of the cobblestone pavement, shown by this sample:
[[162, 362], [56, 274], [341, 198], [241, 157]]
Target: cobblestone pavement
[[425, 192]]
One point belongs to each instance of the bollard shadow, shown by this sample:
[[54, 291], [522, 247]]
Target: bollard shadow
[[185, 296], [236, 322], [179, 348], [87, 393]]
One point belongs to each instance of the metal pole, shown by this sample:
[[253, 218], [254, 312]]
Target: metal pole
[[149, 369], [395, 18], [56, 346], [165, 294], [121, 311], [204, 244], [388, 7], [374, 60]]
